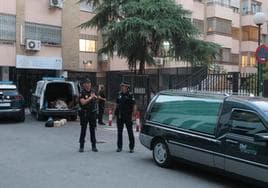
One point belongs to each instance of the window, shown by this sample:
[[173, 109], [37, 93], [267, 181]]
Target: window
[[87, 45], [246, 123], [249, 33], [235, 58], [199, 24], [244, 62], [250, 7], [255, 7], [182, 112], [88, 7], [221, 26], [219, 2], [252, 61], [225, 55], [265, 39], [7, 27], [235, 33], [45, 33], [246, 7]]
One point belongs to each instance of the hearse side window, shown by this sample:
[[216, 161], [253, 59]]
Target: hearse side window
[[246, 123], [192, 113]]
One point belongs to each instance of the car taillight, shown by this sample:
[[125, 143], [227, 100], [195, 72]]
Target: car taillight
[[19, 97]]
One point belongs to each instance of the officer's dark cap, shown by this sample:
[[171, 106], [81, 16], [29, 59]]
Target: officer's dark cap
[[124, 83], [87, 80]]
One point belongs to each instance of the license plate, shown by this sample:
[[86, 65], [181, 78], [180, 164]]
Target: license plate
[[4, 104]]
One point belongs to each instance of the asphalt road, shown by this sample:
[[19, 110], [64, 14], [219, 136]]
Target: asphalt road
[[33, 156]]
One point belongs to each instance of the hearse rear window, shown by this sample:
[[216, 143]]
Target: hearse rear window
[[192, 113]]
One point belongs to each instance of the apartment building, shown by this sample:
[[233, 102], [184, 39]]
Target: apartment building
[[230, 24], [42, 38]]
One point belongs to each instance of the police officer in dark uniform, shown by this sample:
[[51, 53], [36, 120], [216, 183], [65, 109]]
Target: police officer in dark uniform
[[124, 109], [88, 104]]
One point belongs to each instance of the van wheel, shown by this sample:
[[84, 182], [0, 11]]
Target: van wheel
[[161, 154], [39, 117]]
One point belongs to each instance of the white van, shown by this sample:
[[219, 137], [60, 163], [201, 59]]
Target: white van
[[55, 97]]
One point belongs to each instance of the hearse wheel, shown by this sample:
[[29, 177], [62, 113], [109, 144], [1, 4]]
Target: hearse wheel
[[161, 154]]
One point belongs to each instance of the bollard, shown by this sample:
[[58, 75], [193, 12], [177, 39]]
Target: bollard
[[110, 117], [138, 122]]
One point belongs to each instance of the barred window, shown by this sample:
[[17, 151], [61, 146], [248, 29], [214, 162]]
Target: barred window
[[219, 2], [219, 26], [199, 24], [45, 33], [7, 27], [87, 45]]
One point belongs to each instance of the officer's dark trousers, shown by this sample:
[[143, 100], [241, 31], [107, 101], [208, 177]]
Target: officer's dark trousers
[[85, 119], [100, 115], [120, 126]]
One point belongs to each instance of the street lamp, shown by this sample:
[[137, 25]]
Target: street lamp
[[259, 18], [166, 46]]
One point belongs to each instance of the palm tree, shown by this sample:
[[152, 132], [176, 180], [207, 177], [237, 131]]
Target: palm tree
[[136, 29]]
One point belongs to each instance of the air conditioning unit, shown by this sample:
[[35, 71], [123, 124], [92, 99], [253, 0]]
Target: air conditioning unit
[[56, 3], [34, 45]]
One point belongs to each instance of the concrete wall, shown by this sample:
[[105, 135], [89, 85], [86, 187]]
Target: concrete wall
[[70, 35], [7, 54], [88, 57], [8, 6], [39, 11]]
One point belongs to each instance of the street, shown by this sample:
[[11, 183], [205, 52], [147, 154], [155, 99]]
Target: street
[[33, 156]]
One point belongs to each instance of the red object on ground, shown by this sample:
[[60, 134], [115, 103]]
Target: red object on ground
[[110, 117], [138, 121]]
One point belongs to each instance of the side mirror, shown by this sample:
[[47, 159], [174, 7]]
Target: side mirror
[[261, 137]]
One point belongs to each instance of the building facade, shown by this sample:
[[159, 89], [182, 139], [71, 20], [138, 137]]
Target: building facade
[[43, 38], [230, 24]]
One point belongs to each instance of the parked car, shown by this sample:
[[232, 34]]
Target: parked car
[[11, 102], [55, 97], [226, 133]]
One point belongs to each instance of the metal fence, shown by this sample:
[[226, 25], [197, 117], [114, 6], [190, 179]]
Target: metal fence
[[231, 83], [189, 79]]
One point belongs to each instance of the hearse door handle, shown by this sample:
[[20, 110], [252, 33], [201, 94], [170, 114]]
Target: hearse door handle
[[232, 142]]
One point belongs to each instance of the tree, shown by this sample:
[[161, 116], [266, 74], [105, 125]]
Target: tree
[[136, 29]]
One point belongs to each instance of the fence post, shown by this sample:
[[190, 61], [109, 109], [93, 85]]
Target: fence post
[[235, 81]]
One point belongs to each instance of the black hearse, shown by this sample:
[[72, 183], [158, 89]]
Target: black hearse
[[227, 133]]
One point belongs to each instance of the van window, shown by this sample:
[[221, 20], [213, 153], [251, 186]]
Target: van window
[[192, 113]]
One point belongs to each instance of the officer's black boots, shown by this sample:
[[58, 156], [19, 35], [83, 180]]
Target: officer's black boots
[[131, 151], [118, 150], [81, 149], [94, 148]]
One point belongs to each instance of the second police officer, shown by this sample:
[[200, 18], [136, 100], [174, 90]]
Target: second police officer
[[87, 113], [124, 109]]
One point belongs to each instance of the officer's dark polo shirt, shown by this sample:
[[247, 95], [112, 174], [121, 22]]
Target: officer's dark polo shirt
[[92, 105], [125, 102]]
